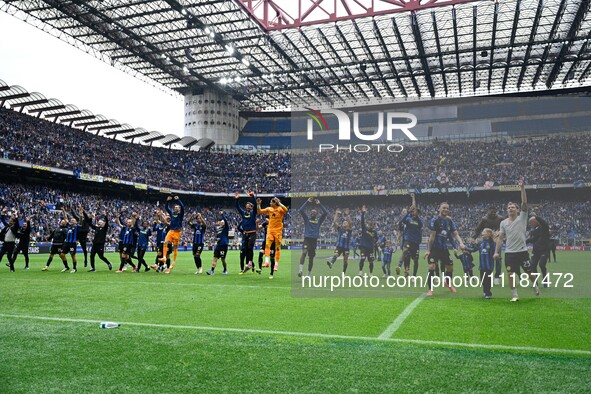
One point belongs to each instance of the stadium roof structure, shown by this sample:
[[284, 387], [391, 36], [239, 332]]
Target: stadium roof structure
[[270, 53], [18, 98]]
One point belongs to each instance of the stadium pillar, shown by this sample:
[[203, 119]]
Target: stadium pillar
[[212, 115]]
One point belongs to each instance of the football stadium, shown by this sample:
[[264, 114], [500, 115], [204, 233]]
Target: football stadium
[[350, 196]]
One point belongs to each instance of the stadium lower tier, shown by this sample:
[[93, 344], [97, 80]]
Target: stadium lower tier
[[567, 212]]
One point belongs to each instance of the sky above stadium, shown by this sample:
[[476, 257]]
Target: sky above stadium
[[39, 62]]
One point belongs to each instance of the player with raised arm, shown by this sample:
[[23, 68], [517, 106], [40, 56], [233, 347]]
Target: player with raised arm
[[344, 232], [160, 227], [443, 229], [199, 228], [24, 238], [144, 232], [249, 229], [367, 243], [71, 239], [83, 229], [274, 230], [513, 231], [127, 235], [221, 247], [57, 238], [101, 230], [412, 237], [173, 236], [312, 225], [10, 233]]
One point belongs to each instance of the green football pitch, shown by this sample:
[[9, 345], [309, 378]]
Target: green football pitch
[[246, 333]]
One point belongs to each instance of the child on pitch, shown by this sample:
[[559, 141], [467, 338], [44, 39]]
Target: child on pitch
[[487, 262], [467, 260], [388, 251]]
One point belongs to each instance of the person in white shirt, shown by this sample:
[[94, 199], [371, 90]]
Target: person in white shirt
[[513, 230]]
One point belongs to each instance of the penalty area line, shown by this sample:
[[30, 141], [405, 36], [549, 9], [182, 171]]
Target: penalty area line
[[476, 346]]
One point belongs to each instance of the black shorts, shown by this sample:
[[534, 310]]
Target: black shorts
[[82, 237], [160, 247], [197, 249], [515, 261], [69, 247], [310, 245], [220, 251], [56, 249], [412, 249], [126, 249], [366, 252], [343, 251], [442, 256]]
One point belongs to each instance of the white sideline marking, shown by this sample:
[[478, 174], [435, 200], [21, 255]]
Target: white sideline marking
[[165, 283], [392, 328], [314, 335]]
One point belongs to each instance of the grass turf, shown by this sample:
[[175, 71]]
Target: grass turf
[[65, 356]]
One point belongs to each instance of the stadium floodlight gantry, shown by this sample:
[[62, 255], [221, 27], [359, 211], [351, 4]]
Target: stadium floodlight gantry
[[266, 53]]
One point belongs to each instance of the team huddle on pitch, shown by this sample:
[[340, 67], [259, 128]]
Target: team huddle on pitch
[[490, 234], [136, 234]]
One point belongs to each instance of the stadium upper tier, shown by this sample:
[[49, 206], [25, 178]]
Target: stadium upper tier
[[544, 160]]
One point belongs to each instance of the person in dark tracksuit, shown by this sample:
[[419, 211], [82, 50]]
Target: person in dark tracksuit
[[539, 237], [24, 239], [198, 240], [98, 243], [57, 238], [367, 243]]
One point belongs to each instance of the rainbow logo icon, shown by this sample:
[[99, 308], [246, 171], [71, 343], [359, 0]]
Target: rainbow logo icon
[[318, 118]]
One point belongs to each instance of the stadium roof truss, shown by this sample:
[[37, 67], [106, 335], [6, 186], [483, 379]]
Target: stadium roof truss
[[319, 51]]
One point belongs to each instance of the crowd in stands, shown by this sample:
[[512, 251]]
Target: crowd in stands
[[549, 160], [28, 139]]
